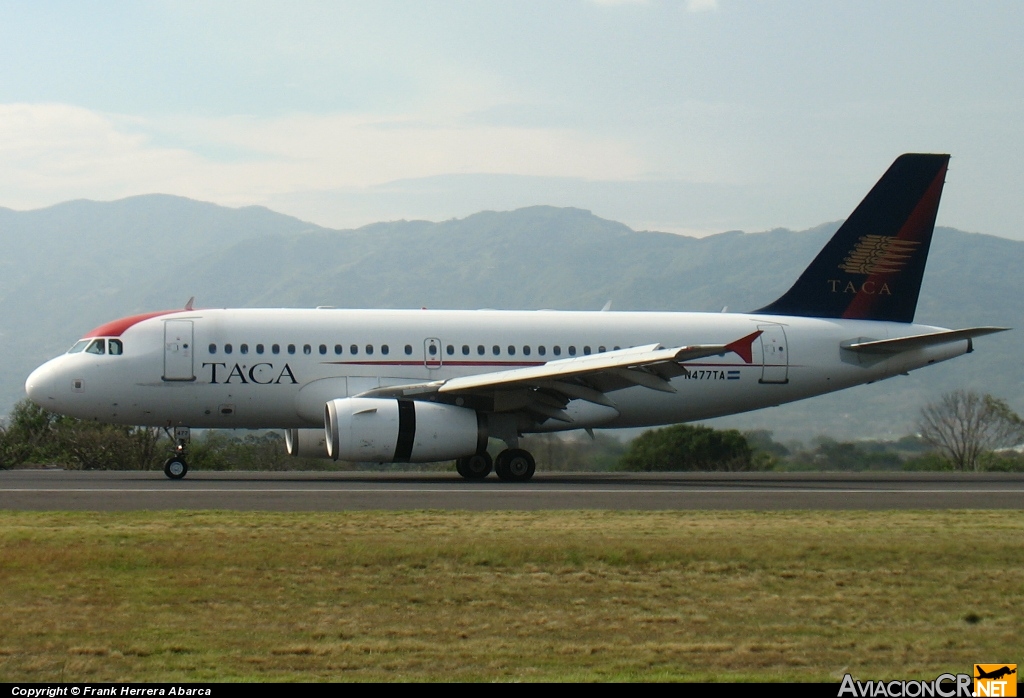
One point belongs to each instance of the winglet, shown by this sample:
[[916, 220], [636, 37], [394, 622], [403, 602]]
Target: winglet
[[744, 346]]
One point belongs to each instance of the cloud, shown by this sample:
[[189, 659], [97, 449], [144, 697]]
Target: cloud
[[51, 152], [701, 5], [54, 152], [691, 5]]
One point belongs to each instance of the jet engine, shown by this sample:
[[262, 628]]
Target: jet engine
[[306, 443], [385, 430]]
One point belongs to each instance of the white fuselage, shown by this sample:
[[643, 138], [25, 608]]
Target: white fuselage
[[254, 368]]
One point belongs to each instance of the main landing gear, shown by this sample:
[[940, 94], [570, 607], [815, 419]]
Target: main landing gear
[[176, 467], [515, 465], [475, 467], [511, 465]]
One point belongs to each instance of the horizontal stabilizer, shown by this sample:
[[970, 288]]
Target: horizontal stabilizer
[[920, 341]]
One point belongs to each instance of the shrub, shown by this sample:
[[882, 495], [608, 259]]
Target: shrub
[[686, 447]]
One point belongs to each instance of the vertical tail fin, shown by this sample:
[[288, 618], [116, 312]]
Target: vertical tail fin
[[872, 267]]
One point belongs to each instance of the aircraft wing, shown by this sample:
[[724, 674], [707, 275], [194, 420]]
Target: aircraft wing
[[547, 388]]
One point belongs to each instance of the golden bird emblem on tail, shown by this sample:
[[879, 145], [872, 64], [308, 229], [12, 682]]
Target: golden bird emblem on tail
[[878, 254]]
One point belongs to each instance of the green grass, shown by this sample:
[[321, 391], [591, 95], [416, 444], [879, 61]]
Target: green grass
[[154, 596]]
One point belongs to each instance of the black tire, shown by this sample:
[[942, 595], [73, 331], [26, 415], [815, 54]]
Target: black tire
[[515, 465], [475, 467], [176, 468]]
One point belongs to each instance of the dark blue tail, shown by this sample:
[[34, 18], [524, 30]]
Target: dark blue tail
[[872, 267]]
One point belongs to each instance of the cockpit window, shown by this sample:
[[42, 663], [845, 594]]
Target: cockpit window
[[114, 347]]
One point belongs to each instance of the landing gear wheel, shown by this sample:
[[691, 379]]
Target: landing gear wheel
[[475, 467], [175, 468], [515, 465]]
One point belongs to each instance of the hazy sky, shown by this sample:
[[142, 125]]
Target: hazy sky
[[696, 116]]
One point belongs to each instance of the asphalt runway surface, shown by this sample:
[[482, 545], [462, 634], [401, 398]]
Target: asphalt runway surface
[[49, 490]]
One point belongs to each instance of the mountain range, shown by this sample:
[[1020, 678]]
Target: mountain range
[[70, 267]]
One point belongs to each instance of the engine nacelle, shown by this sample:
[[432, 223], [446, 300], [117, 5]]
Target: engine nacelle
[[384, 430], [306, 443]]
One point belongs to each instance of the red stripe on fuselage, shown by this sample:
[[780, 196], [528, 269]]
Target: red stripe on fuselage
[[434, 364], [118, 327]]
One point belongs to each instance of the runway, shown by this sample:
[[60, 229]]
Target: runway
[[47, 489]]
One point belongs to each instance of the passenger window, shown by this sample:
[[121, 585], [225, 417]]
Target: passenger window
[[259, 348], [511, 350], [465, 350], [572, 350], [526, 350], [115, 348], [79, 346], [353, 350], [276, 348], [541, 350], [291, 348], [243, 349], [213, 348], [480, 349], [227, 349], [369, 348], [557, 350], [306, 349], [337, 349], [408, 350], [432, 349], [450, 350], [323, 348], [617, 348], [384, 349], [586, 350], [601, 350], [496, 350]]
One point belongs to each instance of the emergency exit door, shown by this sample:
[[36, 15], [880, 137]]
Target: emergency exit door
[[432, 353]]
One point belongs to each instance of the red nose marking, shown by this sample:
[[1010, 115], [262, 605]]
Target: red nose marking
[[117, 327]]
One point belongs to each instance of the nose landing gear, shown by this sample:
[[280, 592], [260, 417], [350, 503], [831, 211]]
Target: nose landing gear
[[176, 467]]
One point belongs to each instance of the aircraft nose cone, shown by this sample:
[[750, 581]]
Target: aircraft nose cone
[[40, 386]]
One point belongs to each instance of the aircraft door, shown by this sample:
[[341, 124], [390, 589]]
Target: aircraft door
[[775, 367], [432, 353], [178, 350]]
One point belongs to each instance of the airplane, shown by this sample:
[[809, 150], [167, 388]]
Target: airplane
[[995, 673], [396, 386]]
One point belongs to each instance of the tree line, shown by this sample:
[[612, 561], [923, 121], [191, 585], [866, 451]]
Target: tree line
[[963, 431]]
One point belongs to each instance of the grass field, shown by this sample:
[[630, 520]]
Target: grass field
[[154, 596]]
